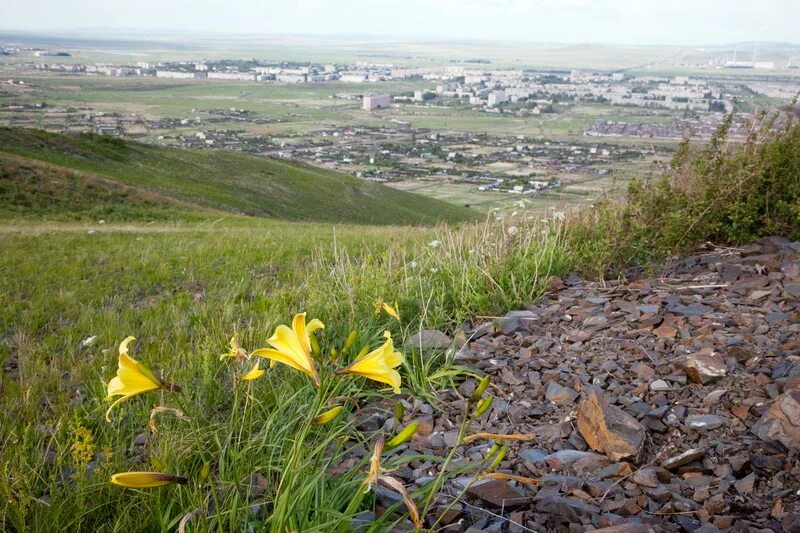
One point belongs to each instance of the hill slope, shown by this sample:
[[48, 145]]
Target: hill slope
[[218, 180]]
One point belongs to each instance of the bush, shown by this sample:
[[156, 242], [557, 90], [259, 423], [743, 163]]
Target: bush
[[726, 192]]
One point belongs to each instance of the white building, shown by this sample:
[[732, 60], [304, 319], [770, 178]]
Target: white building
[[495, 98], [353, 77], [290, 78], [236, 76], [175, 74], [376, 101]]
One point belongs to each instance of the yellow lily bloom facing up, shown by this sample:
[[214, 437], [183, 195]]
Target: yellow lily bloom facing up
[[132, 379], [292, 346], [379, 364], [254, 373], [146, 480]]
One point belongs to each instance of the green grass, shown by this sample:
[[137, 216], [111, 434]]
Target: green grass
[[183, 288], [221, 181]]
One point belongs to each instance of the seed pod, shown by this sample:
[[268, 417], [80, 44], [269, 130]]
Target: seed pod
[[499, 459], [402, 437], [482, 406], [480, 389]]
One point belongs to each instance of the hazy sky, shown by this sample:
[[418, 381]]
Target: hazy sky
[[611, 21]]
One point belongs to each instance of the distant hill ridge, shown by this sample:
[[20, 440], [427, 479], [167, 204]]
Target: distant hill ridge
[[90, 173]]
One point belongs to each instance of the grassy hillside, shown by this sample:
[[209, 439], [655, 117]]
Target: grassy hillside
[[226, 181]]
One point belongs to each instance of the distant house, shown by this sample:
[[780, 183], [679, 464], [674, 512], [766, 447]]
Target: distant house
[[372, 102]]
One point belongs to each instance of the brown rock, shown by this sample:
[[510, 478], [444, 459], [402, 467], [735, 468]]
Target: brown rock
[[782, 422], [703, 368], [646, 477], [499, 493], [559, 394], [429, 339], [684, 458], [609, 429], [746, 485]]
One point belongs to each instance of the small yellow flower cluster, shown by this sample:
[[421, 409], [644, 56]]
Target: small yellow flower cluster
[[83, 448]]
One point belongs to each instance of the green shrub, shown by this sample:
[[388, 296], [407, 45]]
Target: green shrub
[[726, 191]]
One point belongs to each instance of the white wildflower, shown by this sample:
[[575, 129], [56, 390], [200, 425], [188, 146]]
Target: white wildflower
[[512, 230], [435, 244], [88, 341]]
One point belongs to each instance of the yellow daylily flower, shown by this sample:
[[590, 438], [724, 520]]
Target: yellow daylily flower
[[132, 379], [292, 346], [254, 373], [236, 351], [146, 480], [379, 364], [391, 311]]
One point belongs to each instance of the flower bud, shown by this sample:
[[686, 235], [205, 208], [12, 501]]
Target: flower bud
[[328, 415], [204, 473], [350, 340], [481, 388], [399, 411], [314, 344], [404, 436]]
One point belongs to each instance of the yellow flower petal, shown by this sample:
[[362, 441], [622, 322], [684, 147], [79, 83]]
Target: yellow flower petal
[[254, 373], [123, 346], [280, 357], [146, 480], [235, 351], [132, 379], [391, 311], [378, 365], [292, 346]]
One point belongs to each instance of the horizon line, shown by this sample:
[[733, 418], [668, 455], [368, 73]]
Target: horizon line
[[409, 38]]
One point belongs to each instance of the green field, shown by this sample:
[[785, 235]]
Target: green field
[[183, 286], [212, 180]]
